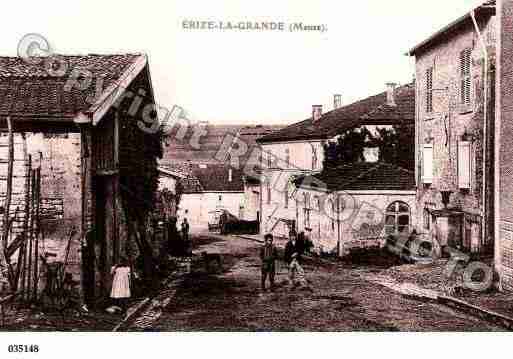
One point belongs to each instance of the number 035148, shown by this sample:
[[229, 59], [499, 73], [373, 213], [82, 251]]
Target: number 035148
[[23, 348]]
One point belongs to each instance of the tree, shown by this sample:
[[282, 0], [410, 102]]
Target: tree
[[396, 146]]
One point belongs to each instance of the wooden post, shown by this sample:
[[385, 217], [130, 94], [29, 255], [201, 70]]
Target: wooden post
[[38, 228], [5, 221], [31, 233], [26, 226]]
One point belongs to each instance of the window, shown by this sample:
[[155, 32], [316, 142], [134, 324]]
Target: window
[[287, 157], [316, 203], [427, 163], [465, 64], [314, 158], [331, 205], [429, 90], [220, 198], [427, 219], [397, 219], [306, 198], [464, 165], [286, 194], [268, 184], [269, 160]]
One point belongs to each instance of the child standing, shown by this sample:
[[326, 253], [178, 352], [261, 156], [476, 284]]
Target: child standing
[[120, 292], [268, 255]]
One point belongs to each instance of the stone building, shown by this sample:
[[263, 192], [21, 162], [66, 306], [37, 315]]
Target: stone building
[[454, 71], [356, 206], [213, 187], [169, 191], [503, 150], [298, 151], [89, 123]]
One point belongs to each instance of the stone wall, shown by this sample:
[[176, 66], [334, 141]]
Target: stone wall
[[360, 223], [58, 157], [451, 122], [504, 248]]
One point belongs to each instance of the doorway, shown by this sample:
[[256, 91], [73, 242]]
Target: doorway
[[107, 246]]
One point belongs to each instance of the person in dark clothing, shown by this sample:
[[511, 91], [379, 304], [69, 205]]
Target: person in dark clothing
[[185, 229], [290, 247], [301, 243], [172, 236], [268, 255], [291, 257]]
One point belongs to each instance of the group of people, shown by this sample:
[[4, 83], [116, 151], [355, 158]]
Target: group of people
[[294, 249], [122, 273]]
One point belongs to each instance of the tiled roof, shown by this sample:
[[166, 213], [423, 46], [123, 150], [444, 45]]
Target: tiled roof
[[215, 178], [199, 178], [30, 90], [190, 185], [370, 111], [180, 169], [362, 176], [485, 9]]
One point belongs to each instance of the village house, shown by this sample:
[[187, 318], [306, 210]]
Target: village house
[[169, 191], [503, 168], [210, 188], [75, 119], [358, 206], [299, 193], [454, 70]]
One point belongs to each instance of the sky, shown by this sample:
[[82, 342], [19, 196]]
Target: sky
[[244, 77]]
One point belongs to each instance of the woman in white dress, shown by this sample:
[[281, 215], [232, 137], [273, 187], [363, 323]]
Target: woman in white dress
[[120, 292]]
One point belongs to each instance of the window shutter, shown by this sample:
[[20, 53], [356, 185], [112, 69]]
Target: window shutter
[[286, 193], [465, 86], [429, 90], [464, 165], [427, 163]]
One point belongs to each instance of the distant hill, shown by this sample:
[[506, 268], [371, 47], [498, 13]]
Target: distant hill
[[176, 150]]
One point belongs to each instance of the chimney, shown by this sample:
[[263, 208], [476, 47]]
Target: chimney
[[390, 93], [337, 101], [316, 112], [371, 154], [230, 175]]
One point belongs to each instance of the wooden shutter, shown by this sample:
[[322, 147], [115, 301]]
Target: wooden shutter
[[269, 160], [429, 90], [286, 193], [465, 86], [464, 165], [427, 163]]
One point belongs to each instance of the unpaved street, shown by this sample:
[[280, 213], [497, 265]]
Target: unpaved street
[[231, 300]]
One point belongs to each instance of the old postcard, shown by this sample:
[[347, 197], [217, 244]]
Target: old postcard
[[271, 166]]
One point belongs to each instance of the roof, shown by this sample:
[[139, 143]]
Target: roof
[[35, 92], [171, 172], [370, 111], [190, 185], [215, 178], [183, 149], [199, 178], [485, 9], [183, 172], [363, 176]]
